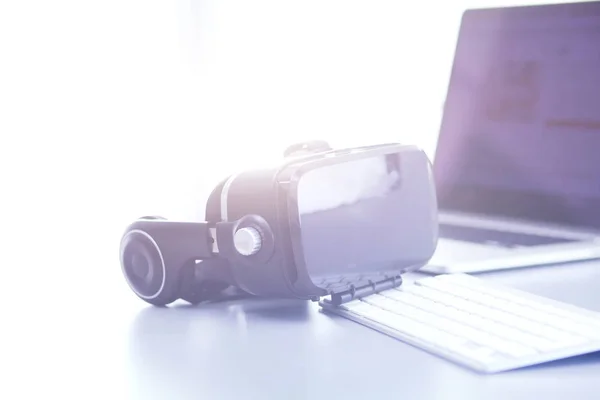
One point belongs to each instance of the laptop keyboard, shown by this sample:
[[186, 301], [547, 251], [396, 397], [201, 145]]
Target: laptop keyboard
[[497, 238]]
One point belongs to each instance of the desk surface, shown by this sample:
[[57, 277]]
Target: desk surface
[[261, 349]]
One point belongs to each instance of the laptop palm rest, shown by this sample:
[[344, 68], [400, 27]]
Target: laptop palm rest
[[475, 249]]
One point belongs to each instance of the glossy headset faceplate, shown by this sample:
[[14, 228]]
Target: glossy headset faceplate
[[381, 219]]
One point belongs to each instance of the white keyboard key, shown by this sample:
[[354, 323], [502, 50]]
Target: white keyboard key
[[486, 327]]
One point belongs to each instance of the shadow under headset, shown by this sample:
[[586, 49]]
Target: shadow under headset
[[269, 232]]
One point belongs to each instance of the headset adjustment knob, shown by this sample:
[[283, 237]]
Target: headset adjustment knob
[[247, 241]]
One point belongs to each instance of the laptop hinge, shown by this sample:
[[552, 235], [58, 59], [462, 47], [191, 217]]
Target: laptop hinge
[[357, 292]]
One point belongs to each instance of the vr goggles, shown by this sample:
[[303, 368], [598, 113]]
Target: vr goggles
[[325, 222]]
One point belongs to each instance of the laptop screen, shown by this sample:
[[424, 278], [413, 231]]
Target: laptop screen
[[520, 135]]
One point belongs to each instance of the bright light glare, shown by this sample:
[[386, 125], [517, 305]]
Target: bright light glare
[[126, 108]]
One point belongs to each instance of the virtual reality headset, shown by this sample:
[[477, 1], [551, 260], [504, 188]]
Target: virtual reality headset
[[324, 222]]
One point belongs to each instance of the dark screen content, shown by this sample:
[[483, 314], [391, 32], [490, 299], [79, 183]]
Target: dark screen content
[[521, 131], [354, 219]]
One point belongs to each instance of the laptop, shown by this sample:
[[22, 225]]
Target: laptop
[[517, 162]]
